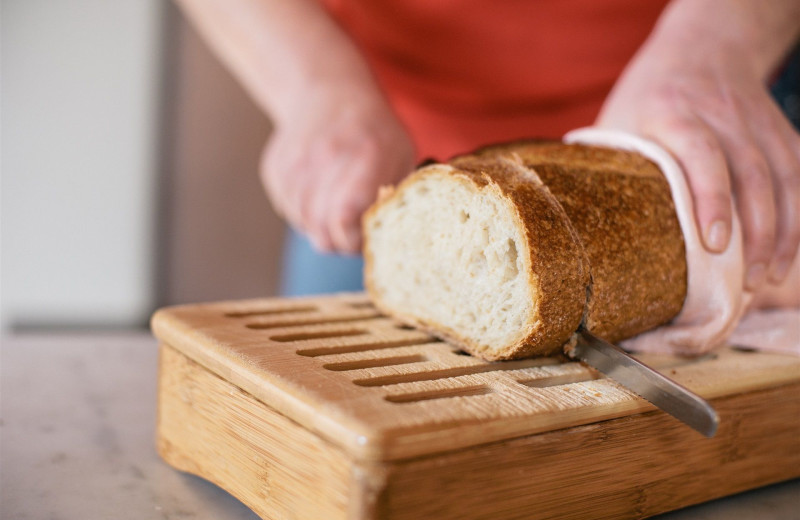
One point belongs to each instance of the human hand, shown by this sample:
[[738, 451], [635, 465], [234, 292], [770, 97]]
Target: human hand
[[335, 139], [705, 100], [324, 164]]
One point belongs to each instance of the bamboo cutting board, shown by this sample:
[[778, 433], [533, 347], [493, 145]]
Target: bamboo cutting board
[[323, 408]]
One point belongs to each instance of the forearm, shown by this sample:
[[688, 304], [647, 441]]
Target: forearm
[[281, 51], [762, 32]]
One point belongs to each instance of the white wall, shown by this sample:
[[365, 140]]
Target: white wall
[[79, 108]]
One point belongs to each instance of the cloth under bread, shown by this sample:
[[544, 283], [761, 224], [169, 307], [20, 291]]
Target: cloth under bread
[[716, 300]]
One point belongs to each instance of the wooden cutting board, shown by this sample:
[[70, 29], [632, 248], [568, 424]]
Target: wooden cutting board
[[323, 408]]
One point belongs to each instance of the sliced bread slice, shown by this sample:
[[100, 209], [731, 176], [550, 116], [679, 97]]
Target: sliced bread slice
[[479, 253], [621, 206]]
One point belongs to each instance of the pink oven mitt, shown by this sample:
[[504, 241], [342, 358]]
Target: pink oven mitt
[[717, 308]]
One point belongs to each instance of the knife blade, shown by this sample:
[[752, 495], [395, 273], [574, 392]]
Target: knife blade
[[634, 375]]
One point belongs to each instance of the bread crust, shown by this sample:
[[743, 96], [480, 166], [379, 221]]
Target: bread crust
[[621, 206], [604, 244], [554, 258]]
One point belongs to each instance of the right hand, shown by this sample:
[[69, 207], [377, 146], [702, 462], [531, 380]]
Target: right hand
[[323, 166], [703, 99]]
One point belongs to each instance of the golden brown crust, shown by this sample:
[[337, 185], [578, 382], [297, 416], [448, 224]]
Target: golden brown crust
[[620, 204], [556, 260], [592, 158]]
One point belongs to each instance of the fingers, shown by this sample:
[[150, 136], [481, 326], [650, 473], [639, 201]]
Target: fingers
[[355, 192], [321, 193], [701, 156], [282, 195], [752, 164], [352, 195], [286, 178], [321, 205], [781, 148], [755, 201], [345, 226], [354, 198], [764, 157]]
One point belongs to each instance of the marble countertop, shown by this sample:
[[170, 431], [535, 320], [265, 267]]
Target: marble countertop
[[77, 423]]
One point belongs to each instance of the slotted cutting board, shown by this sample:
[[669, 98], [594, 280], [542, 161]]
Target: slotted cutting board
[[323, 408]]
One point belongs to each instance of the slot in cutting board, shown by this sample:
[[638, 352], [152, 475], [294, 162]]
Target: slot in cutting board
[[375, 399]]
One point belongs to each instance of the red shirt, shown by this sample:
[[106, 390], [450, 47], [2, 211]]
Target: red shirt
[[465, 73]]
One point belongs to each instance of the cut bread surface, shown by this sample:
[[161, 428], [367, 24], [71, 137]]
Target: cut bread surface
[[454, 255], [480, 254]]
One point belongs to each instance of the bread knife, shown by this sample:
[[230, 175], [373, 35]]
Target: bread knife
[[634, 375]]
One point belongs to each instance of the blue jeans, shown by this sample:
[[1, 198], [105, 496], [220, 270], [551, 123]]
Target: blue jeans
[[305, 271]]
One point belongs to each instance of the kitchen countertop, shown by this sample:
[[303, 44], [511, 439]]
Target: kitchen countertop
[[77, 423]]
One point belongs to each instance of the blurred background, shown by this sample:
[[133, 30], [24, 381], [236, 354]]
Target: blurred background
[[129, 169]]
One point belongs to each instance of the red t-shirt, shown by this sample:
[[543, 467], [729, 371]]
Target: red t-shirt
[[464, 73]]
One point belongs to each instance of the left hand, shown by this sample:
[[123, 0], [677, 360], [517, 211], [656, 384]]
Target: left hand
[[324, 164]]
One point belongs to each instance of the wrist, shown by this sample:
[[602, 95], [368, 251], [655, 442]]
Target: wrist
[[326, 99], [752, 31], [313, 86]]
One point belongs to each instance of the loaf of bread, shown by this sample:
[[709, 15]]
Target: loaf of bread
[[505, 252]]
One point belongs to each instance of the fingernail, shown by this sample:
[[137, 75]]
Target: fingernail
[[717, 236], [779, 271], [756, 275]]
